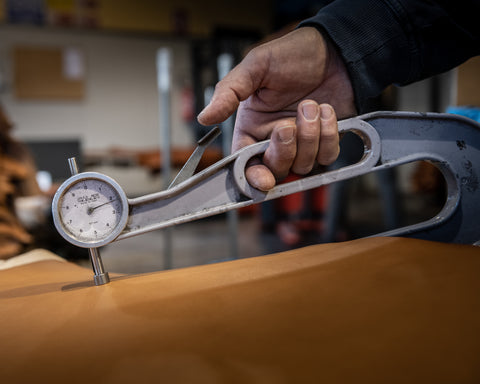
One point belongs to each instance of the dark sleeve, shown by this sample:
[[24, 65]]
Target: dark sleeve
[[387, 42]]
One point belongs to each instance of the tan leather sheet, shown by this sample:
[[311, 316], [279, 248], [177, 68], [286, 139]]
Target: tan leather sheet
[[379, 310]]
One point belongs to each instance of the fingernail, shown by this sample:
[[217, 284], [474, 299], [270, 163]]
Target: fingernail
[[202, 112], [285, 134], [201, 115], [325, 112], [310, 111]]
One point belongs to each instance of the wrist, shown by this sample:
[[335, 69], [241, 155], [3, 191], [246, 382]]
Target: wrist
[[337, 74], [336, 77]]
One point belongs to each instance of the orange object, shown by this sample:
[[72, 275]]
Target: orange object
[[376, 310]]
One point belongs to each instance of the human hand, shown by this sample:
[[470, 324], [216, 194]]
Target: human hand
[[281, 90]]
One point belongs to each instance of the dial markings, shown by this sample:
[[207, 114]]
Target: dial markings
[[92, 209]]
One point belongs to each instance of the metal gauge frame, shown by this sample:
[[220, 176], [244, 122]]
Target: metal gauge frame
[[390, 139], [67, 186]]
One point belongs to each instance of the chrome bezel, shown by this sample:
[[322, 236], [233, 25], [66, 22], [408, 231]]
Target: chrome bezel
[[78, 178]]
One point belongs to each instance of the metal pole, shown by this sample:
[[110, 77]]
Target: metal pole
[[225, 65], [164, 86], [100, 277]]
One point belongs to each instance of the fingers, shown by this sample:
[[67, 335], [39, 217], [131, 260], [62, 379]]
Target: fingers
[[282, 150], [317, 136], [308, 137], [277, 159], [297, 145], [329, 148], [259, 176]]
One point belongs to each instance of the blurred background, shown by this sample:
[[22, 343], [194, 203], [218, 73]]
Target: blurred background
[[83, 78]]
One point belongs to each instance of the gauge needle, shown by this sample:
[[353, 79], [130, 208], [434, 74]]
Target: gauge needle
[[90, 209]]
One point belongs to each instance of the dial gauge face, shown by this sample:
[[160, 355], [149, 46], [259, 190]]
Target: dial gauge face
[[90, 210]]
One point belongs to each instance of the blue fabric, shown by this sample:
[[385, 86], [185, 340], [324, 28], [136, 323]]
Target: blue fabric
[[470, 112]]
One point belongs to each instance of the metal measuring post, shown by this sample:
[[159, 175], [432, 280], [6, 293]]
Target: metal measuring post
[[225, 65], [100, 277], [164, 89]]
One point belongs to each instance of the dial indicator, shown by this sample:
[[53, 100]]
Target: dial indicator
[[90, 209]]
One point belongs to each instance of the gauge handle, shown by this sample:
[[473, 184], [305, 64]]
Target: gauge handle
[[223, 186], [390, 139]]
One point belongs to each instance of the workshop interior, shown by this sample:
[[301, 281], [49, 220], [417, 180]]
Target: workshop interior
[[364, 275]]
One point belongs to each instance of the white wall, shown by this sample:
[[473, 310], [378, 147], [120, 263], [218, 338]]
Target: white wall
[[120, 107]]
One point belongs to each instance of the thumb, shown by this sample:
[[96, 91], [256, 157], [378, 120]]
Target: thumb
[[223, 104], [236, 86]]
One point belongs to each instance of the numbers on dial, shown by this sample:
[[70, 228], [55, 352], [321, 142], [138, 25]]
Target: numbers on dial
[[91, 210]]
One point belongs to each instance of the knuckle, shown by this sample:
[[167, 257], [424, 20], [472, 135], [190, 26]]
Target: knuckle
[[279, 165], [302, 169], [309, 138], [327, 157], [309, 133], [329, 134]]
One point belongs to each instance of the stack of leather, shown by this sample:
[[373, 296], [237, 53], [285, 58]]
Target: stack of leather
[[17, 178]]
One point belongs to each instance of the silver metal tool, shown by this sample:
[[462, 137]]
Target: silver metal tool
[[100, 277], [192, 163], [91, 209]]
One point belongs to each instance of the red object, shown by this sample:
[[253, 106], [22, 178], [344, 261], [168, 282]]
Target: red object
[[294, 204]]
